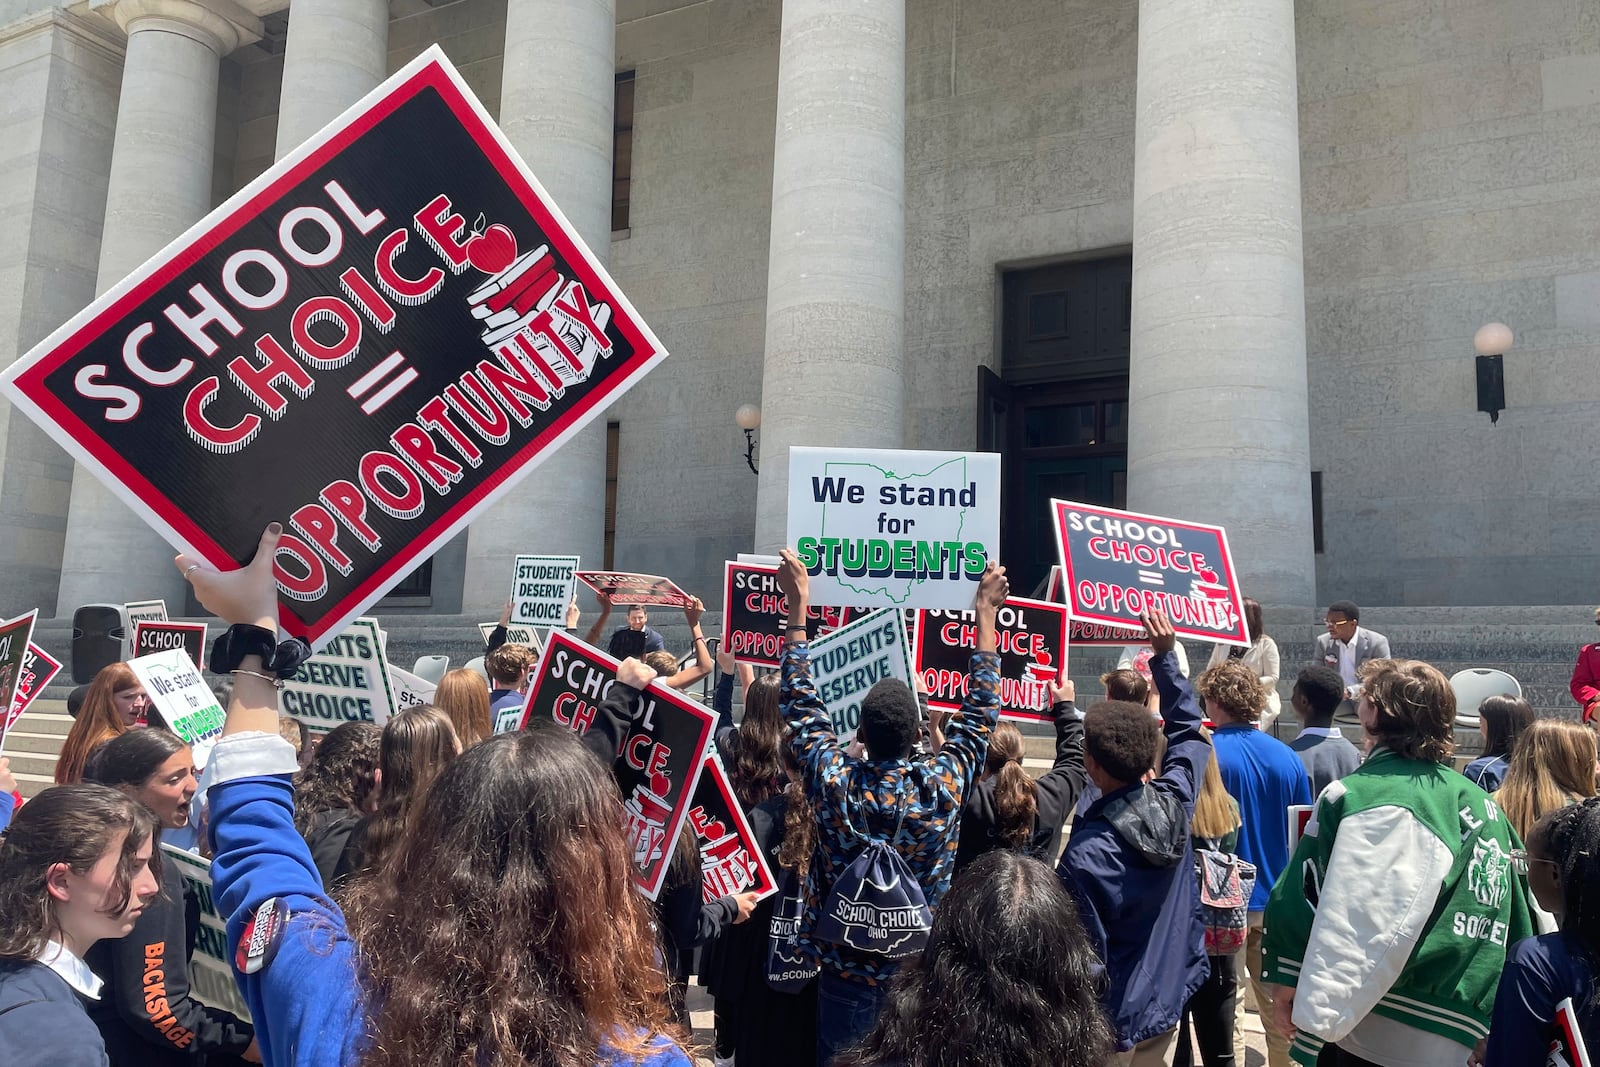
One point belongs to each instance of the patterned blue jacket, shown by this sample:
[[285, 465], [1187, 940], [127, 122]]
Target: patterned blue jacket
[[860, 796]]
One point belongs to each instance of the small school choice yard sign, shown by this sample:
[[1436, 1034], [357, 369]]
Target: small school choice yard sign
[[893, 528], [371, 343]]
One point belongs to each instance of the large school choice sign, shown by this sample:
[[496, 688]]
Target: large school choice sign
[[1117, 565], [372, 342], [1032, 640], [38, 668], [755, 612], [731, 860], [348, 681], [891, 528], [182, 698], [847, 663], [541, 589], [660, 763], [210, 968]]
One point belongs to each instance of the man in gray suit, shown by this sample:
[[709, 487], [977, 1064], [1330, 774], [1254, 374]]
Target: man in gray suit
[[1344, 648]]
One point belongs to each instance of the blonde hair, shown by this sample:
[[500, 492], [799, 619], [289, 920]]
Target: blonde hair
[[1215, 814], [1552, 765], [463, 695]]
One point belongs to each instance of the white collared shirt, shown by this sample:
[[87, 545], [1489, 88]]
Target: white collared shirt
[[72, 970], [1320, 731], [1347, 662]]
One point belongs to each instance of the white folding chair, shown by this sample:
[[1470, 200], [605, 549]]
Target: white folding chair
[[1473, 685], [431, 667]]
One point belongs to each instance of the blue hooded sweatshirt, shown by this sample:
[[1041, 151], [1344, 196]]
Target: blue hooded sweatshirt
[[1129, 864]]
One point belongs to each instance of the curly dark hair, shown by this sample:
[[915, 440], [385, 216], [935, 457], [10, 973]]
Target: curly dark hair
[[1416, 709], [1571, 837], [504, 927], [340, 774], [1122, 738], [757, 771], [1233, 689], [1008, 977]]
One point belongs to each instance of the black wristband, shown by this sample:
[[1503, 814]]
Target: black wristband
[[243, 639]]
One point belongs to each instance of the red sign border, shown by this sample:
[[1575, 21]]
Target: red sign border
[[13, 710], [683, 603], [1230, 576], [719, 774], [728, 567], [24, 381], [708, 723]]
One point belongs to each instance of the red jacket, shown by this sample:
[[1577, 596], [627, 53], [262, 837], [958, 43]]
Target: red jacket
[[1586, 679]]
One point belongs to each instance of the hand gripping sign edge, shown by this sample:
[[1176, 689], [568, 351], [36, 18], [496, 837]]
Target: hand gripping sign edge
[[431, 76]]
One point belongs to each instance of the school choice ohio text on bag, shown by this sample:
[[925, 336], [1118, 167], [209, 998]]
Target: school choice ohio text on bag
[[370, 343]]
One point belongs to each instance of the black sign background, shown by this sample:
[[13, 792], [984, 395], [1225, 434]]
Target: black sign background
[[1019, 663], [421, 140], [662, 718], [193, 641]]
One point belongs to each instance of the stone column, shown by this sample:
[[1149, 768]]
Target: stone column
[[832, 370], [1217, 385], [556, 105], [160, 185], [337, 51]]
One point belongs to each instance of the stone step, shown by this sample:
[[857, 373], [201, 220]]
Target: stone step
[[44, 717], [32, 769], [19, 741], [31, 785]]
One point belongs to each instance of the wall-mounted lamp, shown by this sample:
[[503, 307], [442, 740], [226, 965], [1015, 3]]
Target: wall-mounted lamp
[[1492, 341], [749, 417]]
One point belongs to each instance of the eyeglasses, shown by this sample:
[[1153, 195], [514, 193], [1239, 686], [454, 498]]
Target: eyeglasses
[[1521, 860], [1334, 624]]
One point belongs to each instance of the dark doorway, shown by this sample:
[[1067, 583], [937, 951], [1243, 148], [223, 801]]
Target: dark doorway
[[1058, 411]]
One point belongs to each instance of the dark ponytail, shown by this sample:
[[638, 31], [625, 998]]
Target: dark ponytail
[[1016, 804]]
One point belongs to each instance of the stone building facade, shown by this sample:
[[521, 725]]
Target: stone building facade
[[1222, 261]]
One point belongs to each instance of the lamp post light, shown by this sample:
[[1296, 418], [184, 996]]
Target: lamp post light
[[1492, 341], [748, 418]]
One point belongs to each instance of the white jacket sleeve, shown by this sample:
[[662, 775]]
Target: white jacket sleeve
[[1384, 877]]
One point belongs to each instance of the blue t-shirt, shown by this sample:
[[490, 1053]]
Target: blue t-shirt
[[1539, 973], [1265, 777]]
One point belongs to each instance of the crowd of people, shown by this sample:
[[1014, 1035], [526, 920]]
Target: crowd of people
[[451, 891]]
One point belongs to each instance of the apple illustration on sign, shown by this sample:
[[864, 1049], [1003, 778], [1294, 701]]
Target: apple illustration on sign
[[491, 248]]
